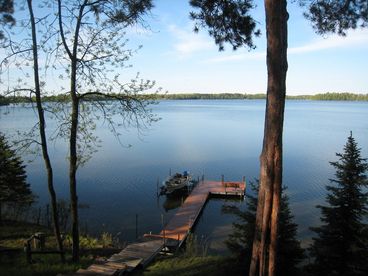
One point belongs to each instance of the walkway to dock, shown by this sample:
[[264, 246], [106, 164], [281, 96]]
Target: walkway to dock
[[174, 233]]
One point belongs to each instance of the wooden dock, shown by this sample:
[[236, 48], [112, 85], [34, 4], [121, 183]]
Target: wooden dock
[[185, 218], [174, 233]]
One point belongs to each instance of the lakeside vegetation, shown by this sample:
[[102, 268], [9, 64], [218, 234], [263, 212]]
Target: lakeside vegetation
[[261, 96], [13, 235], [330, 96]]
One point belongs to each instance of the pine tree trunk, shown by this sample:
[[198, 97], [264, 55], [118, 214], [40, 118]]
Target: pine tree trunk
[[50, 178], [269, 196]]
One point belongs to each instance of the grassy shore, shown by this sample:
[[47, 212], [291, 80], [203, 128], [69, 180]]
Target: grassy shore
[[13, 259], [189, 266]]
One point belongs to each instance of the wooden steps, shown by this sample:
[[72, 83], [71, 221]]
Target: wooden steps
[[132, 256]]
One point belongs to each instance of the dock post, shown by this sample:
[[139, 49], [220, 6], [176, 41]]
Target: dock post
[[245, 185], [136, 226], [163, 228], [157, 184]]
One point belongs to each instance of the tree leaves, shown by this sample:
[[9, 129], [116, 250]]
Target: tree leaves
[[337, 16], [226, 21]]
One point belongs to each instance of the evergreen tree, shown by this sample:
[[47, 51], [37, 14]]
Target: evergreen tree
[[341, 245], [13, 185], [240, 242]]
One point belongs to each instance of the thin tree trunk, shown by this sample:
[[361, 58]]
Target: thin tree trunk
[[73, 137], [74, 125], [265, 239], [72, 178], [50, 178], [74, 158]]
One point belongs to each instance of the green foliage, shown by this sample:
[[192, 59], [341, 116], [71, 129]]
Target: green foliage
[[13, 186], [240, 242], [86, 242], [339, 97], [14, 233], [208, 96], [330, 96], [3, 100], [227, 21], [195, 248], [127, 12], [45, 265], [336, 16], [106, 239], [13, 261], [6, 11], [190, 266], [340, 247]]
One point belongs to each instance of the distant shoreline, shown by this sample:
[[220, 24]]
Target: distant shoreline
[[239, 96], [332, 96]]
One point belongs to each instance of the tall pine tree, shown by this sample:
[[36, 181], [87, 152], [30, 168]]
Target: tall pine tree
[[240, 242], [13, 186], [341, 245]]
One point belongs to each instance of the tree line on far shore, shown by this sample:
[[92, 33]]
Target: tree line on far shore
[[330, 96]]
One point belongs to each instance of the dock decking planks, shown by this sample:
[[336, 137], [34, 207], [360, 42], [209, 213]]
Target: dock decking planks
[[182, 222], [176, 229]]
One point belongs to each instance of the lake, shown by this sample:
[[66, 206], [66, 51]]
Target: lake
[[210, 137]]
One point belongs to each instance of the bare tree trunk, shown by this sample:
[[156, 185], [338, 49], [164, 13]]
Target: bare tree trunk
[[73, 137], [74, 125], [50, 178], [265, 239], [72, 177]]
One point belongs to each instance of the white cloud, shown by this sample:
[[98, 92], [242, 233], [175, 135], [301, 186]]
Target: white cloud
[[239, 57], [138, 30], [189, 42], [354, 38]]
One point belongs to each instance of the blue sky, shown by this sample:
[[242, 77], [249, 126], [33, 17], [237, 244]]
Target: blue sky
[[184, 62]]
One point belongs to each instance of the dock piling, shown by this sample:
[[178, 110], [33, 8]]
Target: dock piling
[[157, 189], [136, 226], [163, 229]]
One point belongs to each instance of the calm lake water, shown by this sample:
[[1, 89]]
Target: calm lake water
[[210, 137]]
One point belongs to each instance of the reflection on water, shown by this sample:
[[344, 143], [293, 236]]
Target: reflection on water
[[174, 202], [205, 137]]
